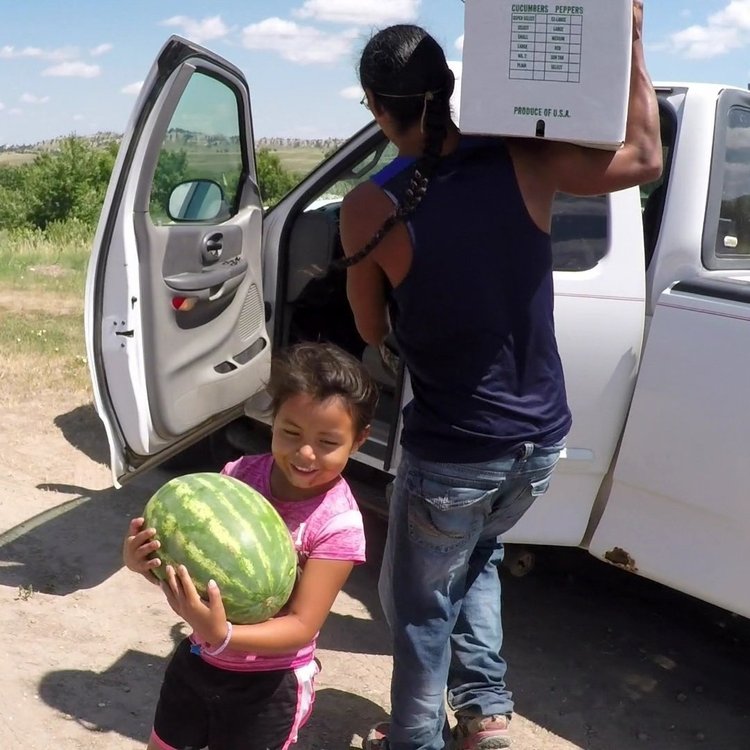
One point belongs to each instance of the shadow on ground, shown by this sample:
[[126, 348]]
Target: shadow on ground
[[76, 545], [599, 657], [122, 699], [83, 429], [606, 659]]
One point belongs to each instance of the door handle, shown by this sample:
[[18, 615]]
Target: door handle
[[209, 283], [213, 246]]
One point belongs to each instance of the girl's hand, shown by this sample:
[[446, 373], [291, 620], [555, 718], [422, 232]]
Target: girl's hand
[[136, 548], [207, 619]]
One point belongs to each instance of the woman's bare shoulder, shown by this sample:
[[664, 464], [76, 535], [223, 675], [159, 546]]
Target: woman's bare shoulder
[[366, 202]]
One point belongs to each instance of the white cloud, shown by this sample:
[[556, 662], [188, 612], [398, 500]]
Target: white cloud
[[100, 49], [300, 44], [33, 99], [74, 69], [132, 88], [78, 118], [361, 12], [726, 30], [459, 44], [702, 42], [198, 31], [15, 111], [52, 55], [2, 106], [352, 92]]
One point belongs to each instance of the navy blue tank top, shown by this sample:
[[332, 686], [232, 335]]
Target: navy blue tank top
[[474, 316]]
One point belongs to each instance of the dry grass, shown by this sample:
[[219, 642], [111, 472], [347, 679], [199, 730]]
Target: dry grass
[[42, 348], [300, 161], [26, 377], [14, 159]]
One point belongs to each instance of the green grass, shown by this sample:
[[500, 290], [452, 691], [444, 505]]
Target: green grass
[[42, 333], [42, 276], [300, 161], [209, 162], [42, 350], [54, 260]]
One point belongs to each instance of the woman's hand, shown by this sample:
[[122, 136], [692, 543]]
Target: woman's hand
[[207, 619], [139, 543]]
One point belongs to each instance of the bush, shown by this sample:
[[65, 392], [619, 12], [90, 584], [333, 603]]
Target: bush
[[273, 180], [13, 197], [170, 171], [69, 183]]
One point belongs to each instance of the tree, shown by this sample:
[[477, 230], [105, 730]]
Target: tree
[[13, 197], [273, 180], [69, 183], [170, 171]]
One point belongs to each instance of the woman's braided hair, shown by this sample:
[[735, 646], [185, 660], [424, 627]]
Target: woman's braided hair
[[406, 71]]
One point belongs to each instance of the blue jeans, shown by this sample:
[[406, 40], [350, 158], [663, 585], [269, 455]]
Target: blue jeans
[[440, 587]]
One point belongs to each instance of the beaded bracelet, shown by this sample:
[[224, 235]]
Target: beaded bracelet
[[217, 651]]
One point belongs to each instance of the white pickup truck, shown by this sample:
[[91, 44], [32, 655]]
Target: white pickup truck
[[192, 284]]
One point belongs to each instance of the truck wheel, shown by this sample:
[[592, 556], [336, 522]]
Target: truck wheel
[[519, 561]]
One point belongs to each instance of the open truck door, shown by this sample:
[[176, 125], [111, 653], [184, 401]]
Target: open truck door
[[174, 309]]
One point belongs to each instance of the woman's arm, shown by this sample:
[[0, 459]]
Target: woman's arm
[[587, 171], [363, 212]]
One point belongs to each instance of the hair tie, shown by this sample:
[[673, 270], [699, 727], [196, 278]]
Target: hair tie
[[428, 97], [430, 94]]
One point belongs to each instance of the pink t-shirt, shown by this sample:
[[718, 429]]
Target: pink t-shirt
[[326, 527]]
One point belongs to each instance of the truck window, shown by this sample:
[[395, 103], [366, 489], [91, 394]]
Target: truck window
[[580, 225], [733, 231], [200, 162], [580, 231]]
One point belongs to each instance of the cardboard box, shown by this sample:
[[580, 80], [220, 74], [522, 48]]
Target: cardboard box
[[547, 70]]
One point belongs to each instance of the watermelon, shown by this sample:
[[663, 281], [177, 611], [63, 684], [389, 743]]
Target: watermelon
[[222, 529]]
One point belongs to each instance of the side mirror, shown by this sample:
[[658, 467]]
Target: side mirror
[[197, 200]]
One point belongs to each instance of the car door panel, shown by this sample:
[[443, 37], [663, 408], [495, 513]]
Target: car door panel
[[599, 322], [678, 496], [175, 317]]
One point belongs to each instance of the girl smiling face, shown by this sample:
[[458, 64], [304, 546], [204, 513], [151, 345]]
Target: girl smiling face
[[311, 444]]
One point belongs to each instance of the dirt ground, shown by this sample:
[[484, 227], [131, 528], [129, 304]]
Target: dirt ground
[[598, 658]]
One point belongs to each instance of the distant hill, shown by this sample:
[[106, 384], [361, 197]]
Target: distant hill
[[105, 138], [98, 139]]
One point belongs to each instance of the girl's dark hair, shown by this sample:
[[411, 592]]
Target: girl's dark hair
[[407, 73], [323, 371]]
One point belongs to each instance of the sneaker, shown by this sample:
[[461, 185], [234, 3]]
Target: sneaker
[[377, 739], [481, 732]]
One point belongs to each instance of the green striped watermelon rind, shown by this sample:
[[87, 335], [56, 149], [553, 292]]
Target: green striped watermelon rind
[[220, 528]]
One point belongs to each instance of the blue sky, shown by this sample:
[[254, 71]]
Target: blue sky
[[75, 67]]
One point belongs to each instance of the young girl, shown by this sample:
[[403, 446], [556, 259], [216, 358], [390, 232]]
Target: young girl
[[251, 686]]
